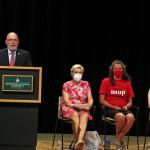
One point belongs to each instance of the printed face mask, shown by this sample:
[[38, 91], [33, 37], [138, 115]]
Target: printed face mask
[[77, 77], [118, 73]]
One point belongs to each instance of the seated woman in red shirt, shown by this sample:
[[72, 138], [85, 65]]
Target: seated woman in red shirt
[[116, 95], [78, 100]]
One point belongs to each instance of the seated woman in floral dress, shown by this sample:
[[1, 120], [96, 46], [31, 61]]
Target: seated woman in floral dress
[[78, 100]]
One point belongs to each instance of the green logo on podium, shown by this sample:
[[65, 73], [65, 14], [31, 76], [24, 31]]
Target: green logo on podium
[[17, 83]]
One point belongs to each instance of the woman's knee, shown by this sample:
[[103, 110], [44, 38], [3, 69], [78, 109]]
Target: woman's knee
[[120, 117], [75, 116], [84, 118], [130, 117], [85, 115]]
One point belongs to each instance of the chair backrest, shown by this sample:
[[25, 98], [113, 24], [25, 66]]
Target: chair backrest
[[148, 98], [60, 102], [59, 113]]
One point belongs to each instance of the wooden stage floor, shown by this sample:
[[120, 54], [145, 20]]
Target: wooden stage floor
[[45, 141]]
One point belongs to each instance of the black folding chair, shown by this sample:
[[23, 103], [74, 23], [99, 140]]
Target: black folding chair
[[111, 121], [63, 120]]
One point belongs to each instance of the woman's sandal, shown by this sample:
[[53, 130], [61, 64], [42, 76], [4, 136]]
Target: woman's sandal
[[79, 144]]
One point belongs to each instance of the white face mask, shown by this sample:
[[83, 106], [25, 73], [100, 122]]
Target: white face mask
[[77, 77]]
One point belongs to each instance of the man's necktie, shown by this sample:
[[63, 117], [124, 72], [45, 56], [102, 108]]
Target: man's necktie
[[12, 60]]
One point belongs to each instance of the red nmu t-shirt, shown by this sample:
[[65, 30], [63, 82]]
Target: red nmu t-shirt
[[118, 94]]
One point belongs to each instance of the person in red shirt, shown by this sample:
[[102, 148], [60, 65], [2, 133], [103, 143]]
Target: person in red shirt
[[116, 95], [78, 101]]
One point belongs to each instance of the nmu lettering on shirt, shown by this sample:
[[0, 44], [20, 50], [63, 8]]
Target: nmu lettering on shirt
[[117, 92]]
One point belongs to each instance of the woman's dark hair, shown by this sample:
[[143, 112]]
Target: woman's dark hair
[[125, 76]]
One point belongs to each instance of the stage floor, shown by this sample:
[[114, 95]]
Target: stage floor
[[45, 141]]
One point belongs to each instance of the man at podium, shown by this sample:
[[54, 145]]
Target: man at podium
[[12, 55]]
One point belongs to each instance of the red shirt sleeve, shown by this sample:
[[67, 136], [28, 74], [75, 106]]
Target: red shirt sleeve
[[104, 86], [130, 90]]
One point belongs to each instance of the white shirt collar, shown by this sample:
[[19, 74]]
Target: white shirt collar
[[9, 51]]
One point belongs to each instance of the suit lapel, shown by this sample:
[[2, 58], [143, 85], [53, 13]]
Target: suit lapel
[[6, 58], [17, 60]]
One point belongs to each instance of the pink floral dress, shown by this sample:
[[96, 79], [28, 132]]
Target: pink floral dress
[[77, 94]]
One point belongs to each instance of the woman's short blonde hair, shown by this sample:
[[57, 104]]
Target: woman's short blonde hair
[[77, 66]]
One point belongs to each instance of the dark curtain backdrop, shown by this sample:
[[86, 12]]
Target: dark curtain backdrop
[[59, 34]]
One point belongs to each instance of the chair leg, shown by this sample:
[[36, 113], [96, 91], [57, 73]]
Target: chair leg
[[104, 131], [147, 129], [128, 141], [54, 132], [62, 133], [137, 134], [72, 143]]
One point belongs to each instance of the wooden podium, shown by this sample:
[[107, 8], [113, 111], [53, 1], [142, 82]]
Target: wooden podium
[[20, 95]]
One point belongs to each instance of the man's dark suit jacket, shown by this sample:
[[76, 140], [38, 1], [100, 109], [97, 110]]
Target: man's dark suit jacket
[[22, 58]]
